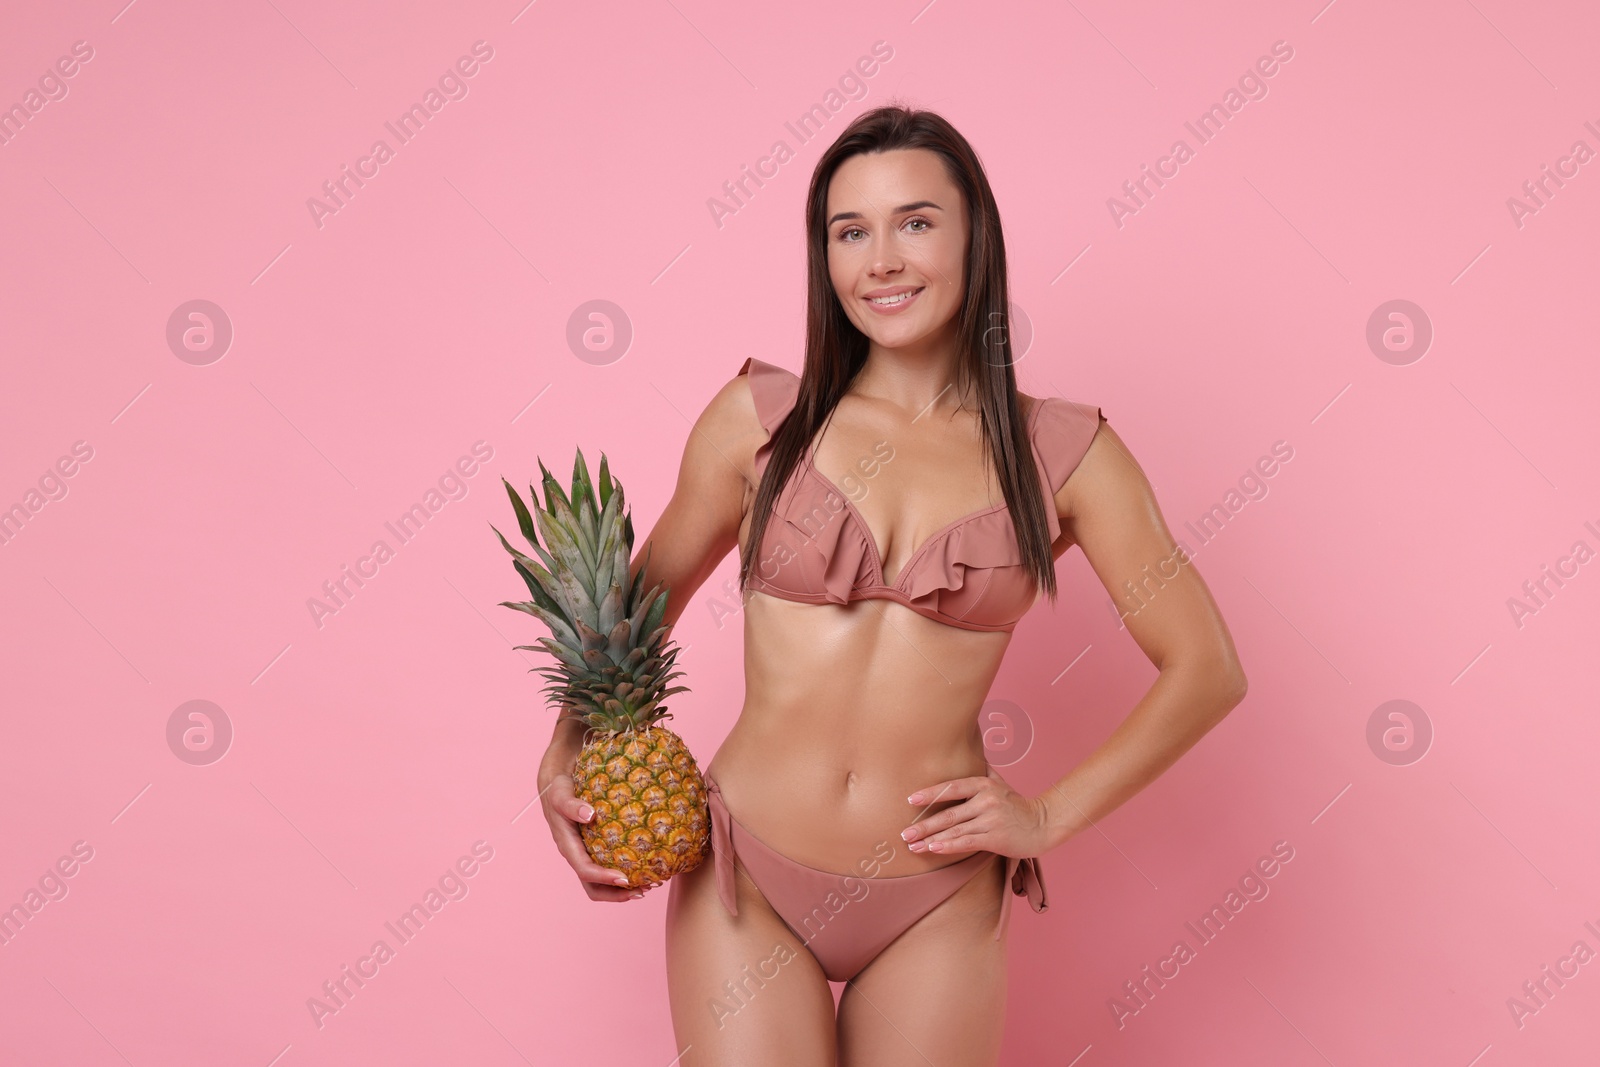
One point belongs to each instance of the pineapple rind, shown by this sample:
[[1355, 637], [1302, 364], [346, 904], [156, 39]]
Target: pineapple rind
[[613, 662], [651, 818]]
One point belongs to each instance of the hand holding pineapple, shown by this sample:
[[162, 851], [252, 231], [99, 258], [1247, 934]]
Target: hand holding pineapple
[[614, 660], [566, 813]]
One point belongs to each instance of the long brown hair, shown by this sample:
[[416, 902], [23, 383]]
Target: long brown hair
[[836, 351]]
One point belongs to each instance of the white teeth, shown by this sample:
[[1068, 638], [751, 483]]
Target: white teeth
[[900, 299]]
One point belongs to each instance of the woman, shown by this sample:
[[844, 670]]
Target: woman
[[907, 505]]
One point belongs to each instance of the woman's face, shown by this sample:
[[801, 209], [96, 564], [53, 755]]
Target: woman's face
[[897, 225]]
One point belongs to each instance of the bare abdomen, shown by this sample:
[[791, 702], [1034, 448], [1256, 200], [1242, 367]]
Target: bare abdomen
[[848, 710]]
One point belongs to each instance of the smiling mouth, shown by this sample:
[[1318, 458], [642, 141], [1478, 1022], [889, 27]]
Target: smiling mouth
[[891, 301]]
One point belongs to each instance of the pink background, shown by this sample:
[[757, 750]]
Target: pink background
[[369, 753]]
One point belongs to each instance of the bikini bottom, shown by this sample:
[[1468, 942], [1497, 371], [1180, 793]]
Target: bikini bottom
[[845, 920]]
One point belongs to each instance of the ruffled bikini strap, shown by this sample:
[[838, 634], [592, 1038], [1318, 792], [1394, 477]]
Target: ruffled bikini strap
[[1062, 432], [775, 391]]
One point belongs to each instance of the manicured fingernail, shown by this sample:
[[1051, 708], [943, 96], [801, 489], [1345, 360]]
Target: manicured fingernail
[[636, 896], [907, 834], [585, 813], [914, 798], [918, 846], [621, 880]]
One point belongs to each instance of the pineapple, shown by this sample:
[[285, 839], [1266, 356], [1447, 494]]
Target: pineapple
[[614, 660]]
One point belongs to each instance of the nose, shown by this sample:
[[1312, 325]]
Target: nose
[[887, 256]]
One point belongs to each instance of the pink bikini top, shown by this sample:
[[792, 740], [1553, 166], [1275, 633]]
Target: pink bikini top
[[818, 549]]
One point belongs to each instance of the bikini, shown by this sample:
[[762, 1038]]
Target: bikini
[[818, 549]]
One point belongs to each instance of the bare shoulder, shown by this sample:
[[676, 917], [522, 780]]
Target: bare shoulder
[[728, 431], [1108, 478]]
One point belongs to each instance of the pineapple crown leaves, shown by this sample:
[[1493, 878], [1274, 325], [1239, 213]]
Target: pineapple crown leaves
[[612, 654]]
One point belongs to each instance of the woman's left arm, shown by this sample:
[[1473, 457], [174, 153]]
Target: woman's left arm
[[1106, 506], [1108, 509]]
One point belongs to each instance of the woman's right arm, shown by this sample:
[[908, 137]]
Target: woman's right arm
[[697, 529]]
